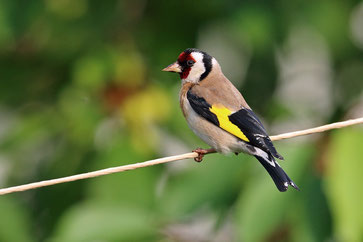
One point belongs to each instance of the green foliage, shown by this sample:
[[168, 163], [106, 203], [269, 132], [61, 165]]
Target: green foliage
[[15, 223], [81, 89], [123, 223], [343, 184]]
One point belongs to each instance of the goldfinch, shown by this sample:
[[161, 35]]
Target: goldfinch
[[217, 112]]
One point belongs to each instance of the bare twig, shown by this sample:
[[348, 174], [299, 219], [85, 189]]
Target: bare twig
[[166, 159], [319, 129]]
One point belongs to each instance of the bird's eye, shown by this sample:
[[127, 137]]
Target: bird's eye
[[190, 63]]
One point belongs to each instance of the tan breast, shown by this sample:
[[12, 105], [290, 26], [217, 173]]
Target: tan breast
[[183, 96]]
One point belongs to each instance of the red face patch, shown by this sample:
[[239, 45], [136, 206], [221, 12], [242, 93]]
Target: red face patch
[[182, 60]]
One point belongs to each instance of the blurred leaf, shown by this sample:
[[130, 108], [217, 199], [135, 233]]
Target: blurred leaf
[[350, 81], [315, 216], [343, 183], [129, 67], [142, 112], [298, 226], [15, 224], [331, 19], [214, 183], [91, 72], [6, 35], [256, 25], [105, 222], [135, 188], [66, 8], [80, 114]]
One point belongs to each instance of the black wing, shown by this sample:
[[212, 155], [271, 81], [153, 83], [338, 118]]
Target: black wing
[[202, 107], [245, 119], [252, 127]]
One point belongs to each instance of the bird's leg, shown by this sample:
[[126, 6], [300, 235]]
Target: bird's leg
[[201, 152]]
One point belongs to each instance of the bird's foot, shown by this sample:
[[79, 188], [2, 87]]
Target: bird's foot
[[201, 152]]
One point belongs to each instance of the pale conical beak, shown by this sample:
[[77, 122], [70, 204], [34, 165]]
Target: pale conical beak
[[175, 67]]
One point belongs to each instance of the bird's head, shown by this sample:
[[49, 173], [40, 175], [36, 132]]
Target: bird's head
[[192, 65]]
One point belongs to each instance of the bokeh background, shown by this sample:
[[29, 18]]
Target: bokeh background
[[81, 89]]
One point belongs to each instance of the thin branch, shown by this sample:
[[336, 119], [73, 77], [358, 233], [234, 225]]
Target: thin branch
[[319, 129], [166, 159]]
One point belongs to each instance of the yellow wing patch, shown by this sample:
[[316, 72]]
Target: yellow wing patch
[[222, 114]]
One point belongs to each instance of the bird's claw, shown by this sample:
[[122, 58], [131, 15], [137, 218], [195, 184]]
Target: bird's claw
[[201, 152]]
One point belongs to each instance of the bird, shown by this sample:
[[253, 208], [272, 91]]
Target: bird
[[217, 112]]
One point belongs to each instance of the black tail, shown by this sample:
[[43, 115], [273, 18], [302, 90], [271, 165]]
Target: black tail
[[278, 175]]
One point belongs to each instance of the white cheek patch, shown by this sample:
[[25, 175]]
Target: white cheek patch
[[198, 68]]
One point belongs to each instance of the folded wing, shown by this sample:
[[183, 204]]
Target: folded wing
[[243, 123]]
